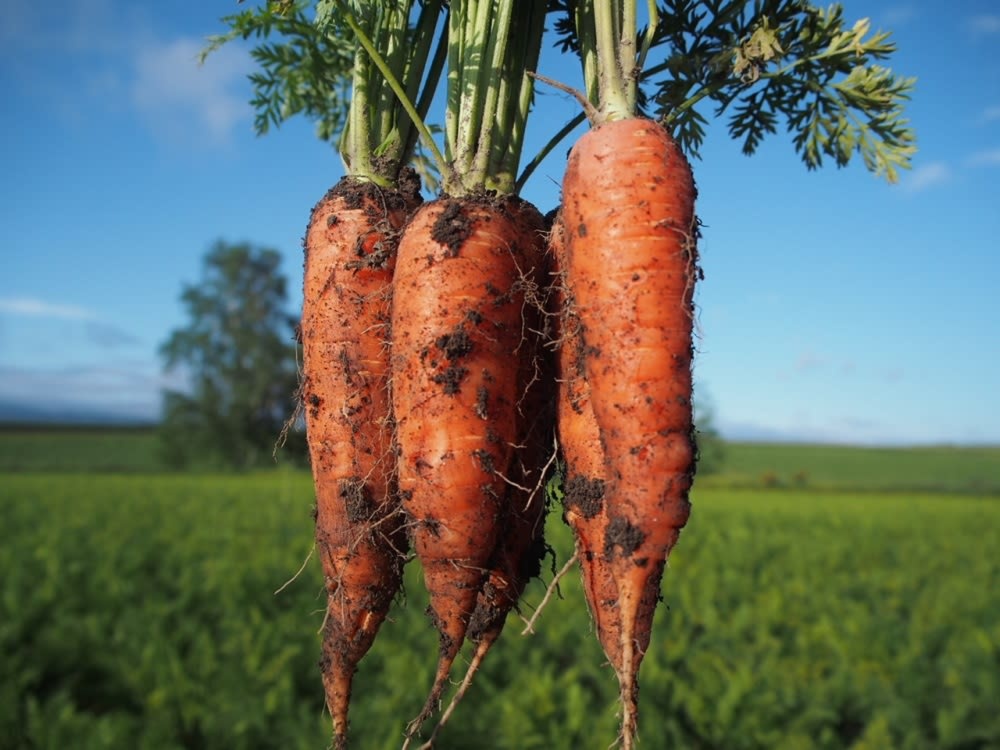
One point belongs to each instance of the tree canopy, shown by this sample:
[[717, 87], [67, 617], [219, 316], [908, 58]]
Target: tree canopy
[[237, 353]]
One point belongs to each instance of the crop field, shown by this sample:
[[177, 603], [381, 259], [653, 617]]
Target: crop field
[[138, 610]]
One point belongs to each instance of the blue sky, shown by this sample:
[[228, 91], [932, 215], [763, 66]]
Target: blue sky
[[835, 307]]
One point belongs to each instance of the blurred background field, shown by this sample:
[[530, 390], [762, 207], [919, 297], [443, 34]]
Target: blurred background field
[[821, 597], [944, 468]]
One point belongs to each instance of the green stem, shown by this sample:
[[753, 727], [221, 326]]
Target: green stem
[[431, 83], [533, 44], [494, 67], [588, 49], [613, 79], [648, 38], [395, 85]]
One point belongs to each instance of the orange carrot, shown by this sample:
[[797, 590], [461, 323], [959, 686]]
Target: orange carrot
[[521, 546], [460, 364], [350, 253], [628, 212], [583, 460]]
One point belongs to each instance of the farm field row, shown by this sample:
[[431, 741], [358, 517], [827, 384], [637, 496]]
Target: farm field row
[[971, 470], [139, 611]]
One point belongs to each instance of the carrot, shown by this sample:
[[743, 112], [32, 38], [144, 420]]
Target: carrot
[[459, 366], [521, 546], [350, 254], [583, 459], [630, 267]]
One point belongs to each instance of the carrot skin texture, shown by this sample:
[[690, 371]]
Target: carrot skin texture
[[584, 480], [457, 322], [628, 198], [350, 254]]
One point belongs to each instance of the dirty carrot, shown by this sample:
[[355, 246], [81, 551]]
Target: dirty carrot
[[350, 254], [458, 330], [350, 248], [583, 458], [631, 269]]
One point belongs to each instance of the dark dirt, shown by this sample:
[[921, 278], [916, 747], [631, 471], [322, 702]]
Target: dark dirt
[[315, 402], [446, 644], [379, 255], [452, 227], [482, 402], [531, 562], [624, 535], [357, 194], [357, 499], [484, 618], [585, 495], [455, 345], [451, 379], [432, 525], [345, 362], [486, 460]]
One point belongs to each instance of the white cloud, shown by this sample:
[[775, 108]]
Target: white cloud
[[898, 15], [123, 388], [809, 361], [990, 114], [38, 308], [116, 58], [182, 99], [987, 23], [988, 158], [927, 176]]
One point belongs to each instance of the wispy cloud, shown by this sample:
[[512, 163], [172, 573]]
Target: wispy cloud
[[100, 333], [927, 176], [108, 336], [898, 15], [987, 158], [990, 114], [37, 308], [809, 361], [180, 98], [986, 23], [133, 389], [121, 61]]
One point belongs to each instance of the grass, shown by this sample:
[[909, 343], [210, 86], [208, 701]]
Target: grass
[[949, 469], [78, 449], [138, 611]]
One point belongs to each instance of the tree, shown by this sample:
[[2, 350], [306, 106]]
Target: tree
[[711, 446], [238, 353]]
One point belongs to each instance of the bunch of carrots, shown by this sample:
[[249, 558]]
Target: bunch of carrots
[[430, 392], [449, 345]]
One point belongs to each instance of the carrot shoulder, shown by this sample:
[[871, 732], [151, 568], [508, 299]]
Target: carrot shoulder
[[631, 266], [350, 253]]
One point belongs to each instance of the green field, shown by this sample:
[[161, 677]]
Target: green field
[[943, 468], [84, 448], [137, 610]]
